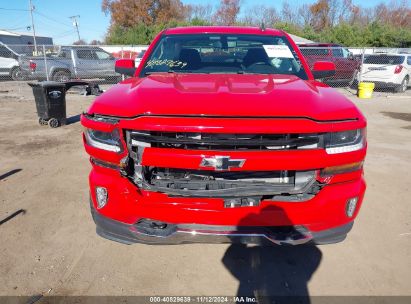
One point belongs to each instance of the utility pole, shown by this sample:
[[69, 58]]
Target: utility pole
[[75, 23], [32, 26]]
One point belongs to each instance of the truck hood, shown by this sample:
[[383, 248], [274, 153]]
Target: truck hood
[[233, 95]]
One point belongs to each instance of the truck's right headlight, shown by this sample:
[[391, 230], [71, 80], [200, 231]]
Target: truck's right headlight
[[109, 141], [345, 141]]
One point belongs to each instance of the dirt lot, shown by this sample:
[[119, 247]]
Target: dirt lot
[[52, 248]]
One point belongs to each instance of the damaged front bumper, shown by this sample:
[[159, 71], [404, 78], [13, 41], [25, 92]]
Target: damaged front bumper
[[179, 187], [160, 233]]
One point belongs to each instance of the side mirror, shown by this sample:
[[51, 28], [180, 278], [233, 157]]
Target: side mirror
[[125, 67], [323, 69]]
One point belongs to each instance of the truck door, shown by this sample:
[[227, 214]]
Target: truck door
[[86, 63], [105, 63], [344, 64], [313, 54]]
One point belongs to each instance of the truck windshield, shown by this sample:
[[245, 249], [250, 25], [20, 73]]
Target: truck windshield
[[224, 54]]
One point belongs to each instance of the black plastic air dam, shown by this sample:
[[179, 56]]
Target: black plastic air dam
[[182, 234]]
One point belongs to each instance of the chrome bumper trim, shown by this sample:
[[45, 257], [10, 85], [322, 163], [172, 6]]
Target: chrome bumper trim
[[214, 236]]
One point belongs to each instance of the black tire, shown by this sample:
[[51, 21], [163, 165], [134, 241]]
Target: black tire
[[403, 86], [17, 74], [53, 123], [354, 80], [42, 122], [61, 76]]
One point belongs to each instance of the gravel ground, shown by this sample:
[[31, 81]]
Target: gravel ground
[[50, 246]]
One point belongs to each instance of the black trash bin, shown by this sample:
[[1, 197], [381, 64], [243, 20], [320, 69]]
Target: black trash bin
[[50, 97]]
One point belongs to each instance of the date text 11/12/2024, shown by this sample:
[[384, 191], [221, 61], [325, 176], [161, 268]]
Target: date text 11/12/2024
[[202, 299]]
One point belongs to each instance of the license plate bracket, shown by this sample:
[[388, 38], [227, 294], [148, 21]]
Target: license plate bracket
[[237, 202]]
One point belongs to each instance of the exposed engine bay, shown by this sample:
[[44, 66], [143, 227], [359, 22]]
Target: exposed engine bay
[[248, 187]]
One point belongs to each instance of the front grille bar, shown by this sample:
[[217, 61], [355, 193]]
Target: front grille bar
[[226, 141]]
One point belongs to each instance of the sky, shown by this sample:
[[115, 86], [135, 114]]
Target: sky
[[51, 17]]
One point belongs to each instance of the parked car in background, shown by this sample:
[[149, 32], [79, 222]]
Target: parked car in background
[[388, 71], [9, 64], [72, 62], [139, 57], [127, 54], [346, 64]]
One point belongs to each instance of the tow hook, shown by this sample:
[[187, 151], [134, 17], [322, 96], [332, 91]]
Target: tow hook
[[154, 228]]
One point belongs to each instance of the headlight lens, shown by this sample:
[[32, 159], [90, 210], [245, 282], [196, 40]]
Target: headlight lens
[[109, 141], [346, 141]]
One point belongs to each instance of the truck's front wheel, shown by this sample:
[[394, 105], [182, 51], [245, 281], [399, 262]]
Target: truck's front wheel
[[61, 76]]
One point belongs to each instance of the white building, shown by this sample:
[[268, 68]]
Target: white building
[[8, 37]]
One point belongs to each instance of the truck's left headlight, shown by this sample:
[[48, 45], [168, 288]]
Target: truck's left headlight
[[345, 141], [109, 141]]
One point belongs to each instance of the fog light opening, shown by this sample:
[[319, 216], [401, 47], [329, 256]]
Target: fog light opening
[[351, 206], [102, 197]]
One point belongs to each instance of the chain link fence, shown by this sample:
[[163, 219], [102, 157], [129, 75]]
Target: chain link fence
[[388, 68]]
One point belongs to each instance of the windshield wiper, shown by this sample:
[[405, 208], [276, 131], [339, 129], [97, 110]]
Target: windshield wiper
[[158, 72], [253, 73], [169, 71]]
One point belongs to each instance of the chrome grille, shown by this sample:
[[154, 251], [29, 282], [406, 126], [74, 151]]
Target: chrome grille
[[222, 141]]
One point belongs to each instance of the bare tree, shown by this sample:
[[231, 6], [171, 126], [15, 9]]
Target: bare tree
[[80, 42], [95, 42], [333, 11], [320, 12], [305, 15], [329, 13], [227, 12], [260, 14], [395, 13], [199, 11], [346, 10], [288, 13]]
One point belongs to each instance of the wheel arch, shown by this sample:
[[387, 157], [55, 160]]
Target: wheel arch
[[55, 70], [14, 67]]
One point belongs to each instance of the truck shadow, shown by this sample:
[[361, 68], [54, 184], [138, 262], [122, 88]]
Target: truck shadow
[[73, 119], [9, 173], [14, 214], [271, 274]]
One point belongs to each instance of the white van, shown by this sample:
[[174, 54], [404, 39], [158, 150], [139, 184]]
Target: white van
[[388, 70], [9, 65]]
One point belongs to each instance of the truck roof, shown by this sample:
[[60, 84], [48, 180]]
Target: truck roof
[[223, 30], [388, 54], [81, 46]]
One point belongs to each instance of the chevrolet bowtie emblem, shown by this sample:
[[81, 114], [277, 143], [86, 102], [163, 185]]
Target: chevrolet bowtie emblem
[[222, 163]]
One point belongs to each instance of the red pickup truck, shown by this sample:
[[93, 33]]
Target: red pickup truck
[[223, 135], [346, 65]]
